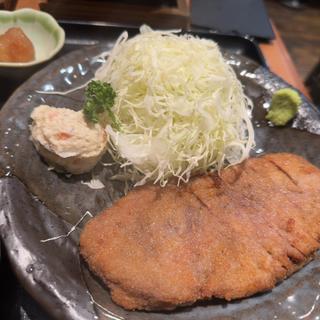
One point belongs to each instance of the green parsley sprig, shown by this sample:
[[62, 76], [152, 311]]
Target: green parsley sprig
[[99, 100]]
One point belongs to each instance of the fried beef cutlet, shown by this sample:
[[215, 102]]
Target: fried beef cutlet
[[226, 236]]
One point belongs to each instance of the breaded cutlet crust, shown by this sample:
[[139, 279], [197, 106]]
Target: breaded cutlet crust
[[227, 236]]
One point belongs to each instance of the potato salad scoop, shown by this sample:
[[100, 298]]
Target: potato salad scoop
[[66, 140]]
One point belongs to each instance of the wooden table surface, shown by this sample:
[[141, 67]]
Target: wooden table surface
[[275, 53]]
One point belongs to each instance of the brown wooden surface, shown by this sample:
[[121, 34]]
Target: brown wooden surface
[[8, 4], [275, 53], [117, 13], [34, 4], [300, 31], [280, 62]]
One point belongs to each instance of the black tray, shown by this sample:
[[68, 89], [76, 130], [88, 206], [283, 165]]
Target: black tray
[[84, 34]]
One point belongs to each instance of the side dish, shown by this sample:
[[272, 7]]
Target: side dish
[[284, 106], [15, 46], [66, 140], [227, 236]]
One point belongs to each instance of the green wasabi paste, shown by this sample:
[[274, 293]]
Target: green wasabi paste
[[284, 106]]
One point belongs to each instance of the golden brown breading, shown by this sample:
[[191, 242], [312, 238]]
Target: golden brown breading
[[227, 237]]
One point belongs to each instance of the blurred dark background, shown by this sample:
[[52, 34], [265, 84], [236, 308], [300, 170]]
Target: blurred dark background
[[300, 30]]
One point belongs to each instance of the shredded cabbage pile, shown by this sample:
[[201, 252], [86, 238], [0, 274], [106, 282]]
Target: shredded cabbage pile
[[180, 106]]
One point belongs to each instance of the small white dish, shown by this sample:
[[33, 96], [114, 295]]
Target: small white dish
[[41, 28]]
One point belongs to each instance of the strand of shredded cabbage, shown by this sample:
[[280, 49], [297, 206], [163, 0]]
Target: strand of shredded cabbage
[[181, 108]]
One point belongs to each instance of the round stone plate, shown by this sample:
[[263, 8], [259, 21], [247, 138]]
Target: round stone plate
[[37, 203]]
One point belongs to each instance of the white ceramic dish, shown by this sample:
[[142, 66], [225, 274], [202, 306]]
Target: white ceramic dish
[[41, 28]]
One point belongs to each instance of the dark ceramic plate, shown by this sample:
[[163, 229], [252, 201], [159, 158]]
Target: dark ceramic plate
[[37, 204]]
